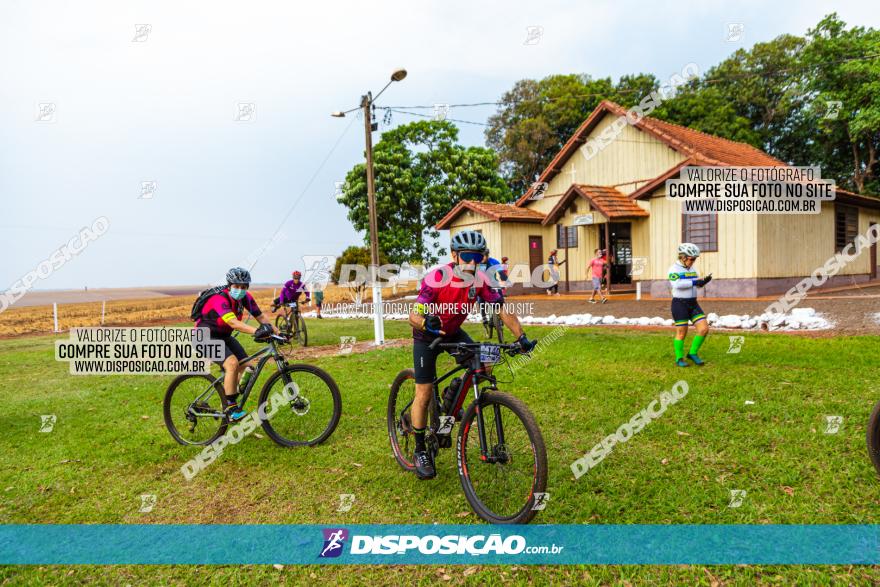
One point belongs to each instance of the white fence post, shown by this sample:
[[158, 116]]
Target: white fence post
[[55, 315], [103, 306], [638, 290]]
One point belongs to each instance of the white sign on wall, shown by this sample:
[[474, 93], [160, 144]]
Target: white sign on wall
[[583, 219]]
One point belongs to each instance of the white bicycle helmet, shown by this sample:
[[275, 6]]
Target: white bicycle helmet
[[689, 249]]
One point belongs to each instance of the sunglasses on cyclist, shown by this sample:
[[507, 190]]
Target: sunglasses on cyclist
[[239, 285], [470, 257]]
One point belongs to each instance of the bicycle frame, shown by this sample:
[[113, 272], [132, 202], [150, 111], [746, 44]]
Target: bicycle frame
[[270, 351], [475, 373]]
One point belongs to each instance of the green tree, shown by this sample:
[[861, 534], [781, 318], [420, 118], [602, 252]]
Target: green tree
[[421, 172], [846, 145]]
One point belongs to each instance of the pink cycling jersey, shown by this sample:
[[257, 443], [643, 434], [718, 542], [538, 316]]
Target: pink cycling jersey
[[447, 296], [222, 305]]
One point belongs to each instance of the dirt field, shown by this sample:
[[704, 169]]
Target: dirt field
[[155, 306]]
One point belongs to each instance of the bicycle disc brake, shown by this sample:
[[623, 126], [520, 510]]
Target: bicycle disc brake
[[300, 405]]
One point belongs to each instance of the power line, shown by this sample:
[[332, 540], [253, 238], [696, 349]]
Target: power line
[[430, 116], [765, 73], [303, 193]]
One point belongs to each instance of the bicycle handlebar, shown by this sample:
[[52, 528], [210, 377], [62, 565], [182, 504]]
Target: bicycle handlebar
[[470, 345]]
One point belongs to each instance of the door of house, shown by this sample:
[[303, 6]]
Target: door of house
[[536, 253], [620, 250], [873, 257]]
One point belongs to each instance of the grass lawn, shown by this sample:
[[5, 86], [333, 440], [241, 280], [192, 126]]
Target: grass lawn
[[109, 446]]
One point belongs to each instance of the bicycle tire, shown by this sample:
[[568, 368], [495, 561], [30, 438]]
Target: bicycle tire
[[169, 421], [283, 325], [396, 449], [334, 392], [301, 332], [872, 437], [539, 451], [499, 328]]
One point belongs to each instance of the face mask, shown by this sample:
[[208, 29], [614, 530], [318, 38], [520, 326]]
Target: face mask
[[237, 294]]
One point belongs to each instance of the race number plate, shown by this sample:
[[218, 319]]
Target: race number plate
[[490, 353]]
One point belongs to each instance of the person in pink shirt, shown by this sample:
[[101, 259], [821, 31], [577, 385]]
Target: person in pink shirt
[[597, 267]]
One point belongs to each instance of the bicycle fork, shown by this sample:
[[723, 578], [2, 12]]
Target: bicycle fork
[[485, 455]]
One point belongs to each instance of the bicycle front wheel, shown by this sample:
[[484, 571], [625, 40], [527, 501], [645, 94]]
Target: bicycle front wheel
[[301, 333], [499, 328], [283, 325], [502, 487], [873, 437], [193, 410], [300, 406]]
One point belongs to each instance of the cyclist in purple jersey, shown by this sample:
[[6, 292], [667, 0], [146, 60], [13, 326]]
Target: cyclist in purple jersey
[[291, 291]]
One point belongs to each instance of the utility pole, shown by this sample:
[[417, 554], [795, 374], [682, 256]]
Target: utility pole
[[367, 108], [378, 324]]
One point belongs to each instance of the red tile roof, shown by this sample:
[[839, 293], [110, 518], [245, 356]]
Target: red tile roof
[[498, 212], [702, 148], [607, 200]]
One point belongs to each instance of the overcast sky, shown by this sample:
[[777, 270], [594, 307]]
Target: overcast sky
[[160, 106]]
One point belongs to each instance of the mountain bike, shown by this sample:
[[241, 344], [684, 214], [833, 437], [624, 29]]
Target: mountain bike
[[492, 323], [502, 460], [194, 404], [292, 324], [873, 437]]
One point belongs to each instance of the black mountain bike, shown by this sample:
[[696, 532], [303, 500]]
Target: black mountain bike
[[194, 404], [492, 323], [292, 324], [502, 460], [873, 437]]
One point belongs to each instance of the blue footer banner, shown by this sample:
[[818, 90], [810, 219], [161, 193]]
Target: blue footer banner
[[446, 544]]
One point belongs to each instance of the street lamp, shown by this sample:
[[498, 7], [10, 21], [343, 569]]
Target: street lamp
[[367, 106]]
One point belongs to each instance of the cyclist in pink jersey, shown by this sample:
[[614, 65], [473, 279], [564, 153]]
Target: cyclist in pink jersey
[[222, 314], [447, 296]]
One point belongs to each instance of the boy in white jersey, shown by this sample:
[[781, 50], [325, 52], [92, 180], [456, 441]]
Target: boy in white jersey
[[684, 281]]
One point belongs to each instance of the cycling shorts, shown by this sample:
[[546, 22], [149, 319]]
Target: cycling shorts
[[231, 346], [425, 359], [686, 310]]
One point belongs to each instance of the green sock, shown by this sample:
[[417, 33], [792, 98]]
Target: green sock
[[679, 348], [697, 343]]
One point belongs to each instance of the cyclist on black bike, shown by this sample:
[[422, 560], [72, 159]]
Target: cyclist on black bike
[[444, 301], [291, 291], [222, 313]]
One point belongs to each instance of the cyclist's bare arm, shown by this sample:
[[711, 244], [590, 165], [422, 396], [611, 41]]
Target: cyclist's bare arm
[[237, 324], [511, 321]]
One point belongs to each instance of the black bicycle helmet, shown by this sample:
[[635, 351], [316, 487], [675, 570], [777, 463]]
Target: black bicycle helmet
[[238, 275], [469, 240]]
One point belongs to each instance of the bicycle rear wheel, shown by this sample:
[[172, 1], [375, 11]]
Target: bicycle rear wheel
[[403, 392], [502, 489], [193, 410], [308, 415], [872, 436]]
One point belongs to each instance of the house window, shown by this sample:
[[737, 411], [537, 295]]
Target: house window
[[846, 225], [700, 229], [566, 236]]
